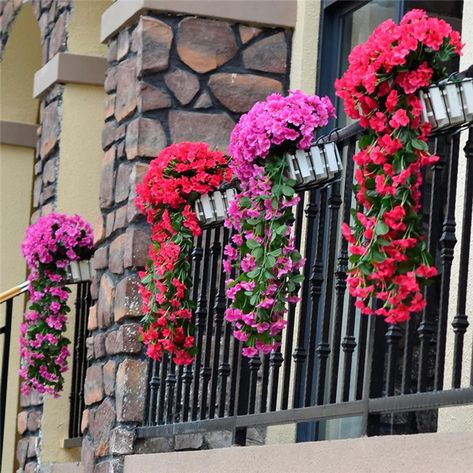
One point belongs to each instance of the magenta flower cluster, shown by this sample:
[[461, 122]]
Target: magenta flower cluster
[[262, 262], [49, 246], [275, 122]]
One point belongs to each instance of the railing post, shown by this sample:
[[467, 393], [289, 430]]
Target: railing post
[[6, 331], [242, 398]]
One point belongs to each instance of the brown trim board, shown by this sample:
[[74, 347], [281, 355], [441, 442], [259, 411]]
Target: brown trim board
[[260, 12], [18, 134], [68, 68]]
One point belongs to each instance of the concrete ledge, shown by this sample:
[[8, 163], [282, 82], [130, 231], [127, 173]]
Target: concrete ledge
[[68, 68], [18, 134], [421, 453], [261, 12]]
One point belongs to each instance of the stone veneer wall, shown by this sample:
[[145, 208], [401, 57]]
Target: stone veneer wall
[[53, 17], [171, 78]]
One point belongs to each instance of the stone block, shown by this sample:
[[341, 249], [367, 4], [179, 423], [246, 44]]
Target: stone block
[[183, 84], [128, 301], [137, 242], [267, 55], [115, 260], [122, 184], [50, 129], [109, 370], [34, 420], [212, 128], [188, 441], [99, 345], [100, 260], [92, 319], [247, 33], [93, 385], [125, 102], [218, 439], [130, 338], [107, 179], [205, 44], [153, 45], [121, 219], [100, 427], [151, 98], [154, 445], [145, 137], [123, 44], [105, 301], [121, 441], [22, 422], [131, 386], [239, 92]]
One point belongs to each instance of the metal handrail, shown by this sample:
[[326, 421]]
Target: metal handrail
[[13, 292]]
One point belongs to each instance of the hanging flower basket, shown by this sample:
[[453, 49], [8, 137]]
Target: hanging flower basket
[[448, 103], [316, 166], [212, 208], [79, 271]]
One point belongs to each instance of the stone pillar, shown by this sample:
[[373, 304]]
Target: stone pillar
[[171, 78]]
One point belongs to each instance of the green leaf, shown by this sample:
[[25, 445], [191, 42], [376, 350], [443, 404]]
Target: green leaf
[[381, 229], [253, 221], [252, 244], [298, 278], [288, 191], [420, 145], [258, 252], [281, 230], [377, 256], [245, 203], [365, 141], [254, 274]]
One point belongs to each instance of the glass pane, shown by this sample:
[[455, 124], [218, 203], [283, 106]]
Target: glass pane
[[356, 27]]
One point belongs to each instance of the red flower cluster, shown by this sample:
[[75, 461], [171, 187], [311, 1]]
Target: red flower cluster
[[389, 259], [174, 180]]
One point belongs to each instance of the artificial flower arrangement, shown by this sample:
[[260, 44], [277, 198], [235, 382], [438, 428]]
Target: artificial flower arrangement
[[50, 245], [389, 259], [175, 179], [262, 252]]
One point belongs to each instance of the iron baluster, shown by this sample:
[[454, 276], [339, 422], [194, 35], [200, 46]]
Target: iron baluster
[[205, 371], [460, 322], [323, 348], [341, 276], [289, 336], [201, 318], [447, 245]]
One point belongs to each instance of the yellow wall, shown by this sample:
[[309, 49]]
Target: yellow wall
[[305, 45], [81, 151], [84, 27], [21, 59]]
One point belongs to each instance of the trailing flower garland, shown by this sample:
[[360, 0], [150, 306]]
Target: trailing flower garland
[[174, 180], [50, 245], [389, 258], [262, 251]]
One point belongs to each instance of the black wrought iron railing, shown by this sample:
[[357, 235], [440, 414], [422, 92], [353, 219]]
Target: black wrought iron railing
[[334, 362], [82, 304], [7, 301]]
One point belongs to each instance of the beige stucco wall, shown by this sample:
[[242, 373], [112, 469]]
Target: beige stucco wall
[[21, 58], [423, 453], [305, 44], [84, 27], [460, 418]]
